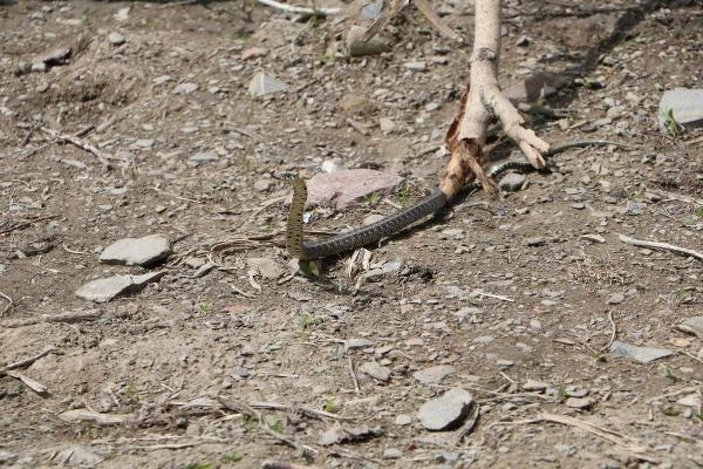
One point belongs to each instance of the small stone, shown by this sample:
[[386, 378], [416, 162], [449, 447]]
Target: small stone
[[579, 402], [594, 238], [161, 80], [640, 354], [693, 325], [575, 391], [145, 251], [433, 374], [353, 344], [116, 39], [105, 289], [344, 187], [145, 143], [253, 52], [533, 385], [6, 457], [635, 208], [691, 400], [503, 364], [483, 339], [453, 233], [39, 67], [122, 14], [392, 453], [263, 83], [403, 419], [535, 241], [523, 41], [79, 455], [417, 66], [376, 371], [266, 267], [387, 125], [356, 47], [373, 218], [615, 299], [684, 105], [512, 182], [185, 88], [204, 157], [262, 185], [330, 166], [447, 411]]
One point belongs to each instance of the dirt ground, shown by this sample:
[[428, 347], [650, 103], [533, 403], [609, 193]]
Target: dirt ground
[[232, 369]]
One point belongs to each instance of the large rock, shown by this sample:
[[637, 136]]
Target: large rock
[[137, 251], [447, 411], [685, 105]]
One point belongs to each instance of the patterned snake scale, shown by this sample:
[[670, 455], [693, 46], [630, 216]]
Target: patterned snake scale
[[392, 224]]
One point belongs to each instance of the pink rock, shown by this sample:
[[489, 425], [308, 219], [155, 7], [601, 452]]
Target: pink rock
[[253, 52], [346, 187]]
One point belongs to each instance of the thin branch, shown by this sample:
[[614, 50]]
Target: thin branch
[[613, 333], [8, 305], [661, 246], [28, 361], [300, 10], [80, 144], [48, 318]]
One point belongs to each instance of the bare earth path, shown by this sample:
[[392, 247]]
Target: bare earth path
[[521, 295]]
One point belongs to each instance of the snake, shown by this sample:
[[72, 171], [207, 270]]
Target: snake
[[298, 248]]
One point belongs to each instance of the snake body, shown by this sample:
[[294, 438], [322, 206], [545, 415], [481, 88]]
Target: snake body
[[392, 224], [373, 232]]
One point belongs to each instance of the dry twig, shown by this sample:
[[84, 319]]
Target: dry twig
[[48, 318], [300, 10], [8, 305], [357, 389], [28, 361], [626, 442], [613, 333], [72, 139], [661, 246]]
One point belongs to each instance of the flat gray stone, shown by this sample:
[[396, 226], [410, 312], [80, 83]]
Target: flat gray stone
[[579, 402], [640, 354], [356, 47], [447, 411], [263, 83], [416, 65], [79, 455], [433, 374], [116, 39], [144, 251], [204, 157], [353, 344], [105, 289], [690, 400], [266, 267], [375, 371], [6, 457], [185, 88], [348, 186], [512, 182], [693, 325], [534, 385], [392, 453], [686, 105], [535, 241]]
